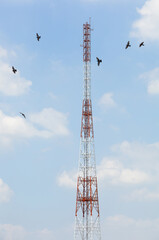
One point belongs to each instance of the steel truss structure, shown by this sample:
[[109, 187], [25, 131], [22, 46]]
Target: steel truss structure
[[87, 217]]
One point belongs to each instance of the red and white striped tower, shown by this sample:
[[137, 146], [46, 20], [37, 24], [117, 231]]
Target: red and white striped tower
[[87, 217]]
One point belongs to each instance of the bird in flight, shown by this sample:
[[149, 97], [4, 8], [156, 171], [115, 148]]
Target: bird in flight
[[22, 114], [141, 44], [98, 61], [14, 70], [128, 45], [37, 36]]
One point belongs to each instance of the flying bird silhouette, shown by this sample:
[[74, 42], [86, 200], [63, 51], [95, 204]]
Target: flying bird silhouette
[[98, 61], [22, 114], [141, 44], [128, 45], [37, 36], [14, 70]]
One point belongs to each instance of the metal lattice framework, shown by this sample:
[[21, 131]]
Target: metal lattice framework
[[87, 217]]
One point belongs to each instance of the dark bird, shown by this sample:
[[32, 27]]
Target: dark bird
[[141, 44], [37, 36], [98, 61], [128, 45], [22, 114], [14, 70]]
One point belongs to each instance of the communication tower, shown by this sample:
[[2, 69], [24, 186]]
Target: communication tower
[[87, 217]]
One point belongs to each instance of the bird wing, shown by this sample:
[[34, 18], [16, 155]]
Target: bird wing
[[141, 44], [22, 114]]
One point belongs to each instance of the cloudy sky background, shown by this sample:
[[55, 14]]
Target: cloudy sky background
[[39, 154]]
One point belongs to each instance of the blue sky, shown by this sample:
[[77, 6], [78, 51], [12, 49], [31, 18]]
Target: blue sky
[[39, 154]]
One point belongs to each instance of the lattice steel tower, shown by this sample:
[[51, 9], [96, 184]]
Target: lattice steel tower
[[87, 218]]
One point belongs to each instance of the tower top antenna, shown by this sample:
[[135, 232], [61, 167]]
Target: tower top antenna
[[86, 42]]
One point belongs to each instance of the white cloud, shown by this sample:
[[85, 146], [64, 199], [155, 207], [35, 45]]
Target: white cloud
[[18, 127], [44, 234], [120, 219], [17, 232], [133, 176], [147, 26], [67, 179], [46, 124], [112, 171], [152, 80], [5, 142], [131, 164], [142, 194], [11, 232], [107, 101], [5, 192], [122, 227], [138, 155], [52, 120]]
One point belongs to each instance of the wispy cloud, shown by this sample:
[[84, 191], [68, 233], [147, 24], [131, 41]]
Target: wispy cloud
[[3, 52], [5, 192], [142, 194], [106, 101], [67, 179], [152, 80], [122, 227], [137, 153], [146, 27], [54, 121], [17, 232]]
